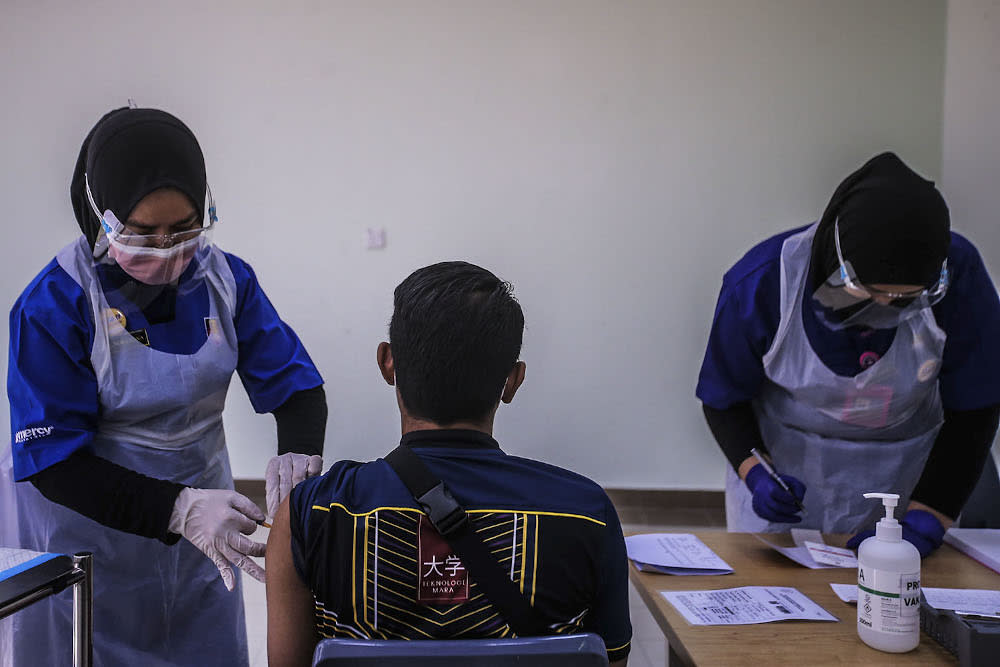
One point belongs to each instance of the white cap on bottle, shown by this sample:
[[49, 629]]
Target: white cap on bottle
[[888, 529]]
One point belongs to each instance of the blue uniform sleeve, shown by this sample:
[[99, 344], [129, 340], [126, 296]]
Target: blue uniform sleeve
[[51, 384], [970, 316], [273, 364], [746, 319], [609, 617]]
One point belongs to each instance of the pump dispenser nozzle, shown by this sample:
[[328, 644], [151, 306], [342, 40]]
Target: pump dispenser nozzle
[[888, 528]]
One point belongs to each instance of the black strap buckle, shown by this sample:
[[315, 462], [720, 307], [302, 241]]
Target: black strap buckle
[[443, 510]]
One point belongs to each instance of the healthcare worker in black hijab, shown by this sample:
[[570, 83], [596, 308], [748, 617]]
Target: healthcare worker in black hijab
[[121, 354], [859, 353]]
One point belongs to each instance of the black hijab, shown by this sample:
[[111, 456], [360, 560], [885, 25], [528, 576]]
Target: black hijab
[[130, 153], [894, 226]]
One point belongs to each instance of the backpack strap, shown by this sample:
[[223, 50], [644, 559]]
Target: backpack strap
[[453, 523]]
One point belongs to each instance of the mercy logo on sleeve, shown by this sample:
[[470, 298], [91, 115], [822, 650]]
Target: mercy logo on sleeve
[[32, 433]]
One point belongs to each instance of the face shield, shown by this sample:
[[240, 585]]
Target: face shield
[[152, 259], [845, 302]]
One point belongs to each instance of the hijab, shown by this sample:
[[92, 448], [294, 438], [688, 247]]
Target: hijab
[[894, 226], [130, 153]]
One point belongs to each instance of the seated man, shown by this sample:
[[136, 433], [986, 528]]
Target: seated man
[[352, 555]]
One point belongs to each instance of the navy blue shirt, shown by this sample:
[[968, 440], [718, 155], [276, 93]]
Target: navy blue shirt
[[367, 553], [748, 313], [52, 387]]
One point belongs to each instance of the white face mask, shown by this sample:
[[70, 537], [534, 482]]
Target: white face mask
[[153, 266]]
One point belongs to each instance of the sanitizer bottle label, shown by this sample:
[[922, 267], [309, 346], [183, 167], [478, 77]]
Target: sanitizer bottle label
[[888, 601]]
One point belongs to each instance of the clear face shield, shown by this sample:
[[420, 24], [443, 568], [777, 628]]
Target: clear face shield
[[152, 259], [846, 302]]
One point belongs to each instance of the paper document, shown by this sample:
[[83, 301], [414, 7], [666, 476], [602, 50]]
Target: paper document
[[674, 553], [799, 554], [966, 600], [824, 554], [846, 592], [13, 561], [811, 551], [982, 544], [746, 605]]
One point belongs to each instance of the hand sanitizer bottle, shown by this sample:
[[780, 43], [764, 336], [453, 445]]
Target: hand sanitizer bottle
[[888, 585]]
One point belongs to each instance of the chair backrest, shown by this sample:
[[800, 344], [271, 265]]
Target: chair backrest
[[583, 650]]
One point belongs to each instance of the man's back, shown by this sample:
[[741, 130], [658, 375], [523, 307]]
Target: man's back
[[378, 569]]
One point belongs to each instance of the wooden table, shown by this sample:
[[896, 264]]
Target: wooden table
[[799, 643]]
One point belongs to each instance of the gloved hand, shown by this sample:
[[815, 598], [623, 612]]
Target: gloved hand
[[284, 472], [920, 528], [772, 502], [217, 521]]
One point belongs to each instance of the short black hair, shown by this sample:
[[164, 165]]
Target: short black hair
[[456, 334]]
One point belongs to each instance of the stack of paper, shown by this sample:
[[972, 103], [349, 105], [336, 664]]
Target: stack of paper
[[983, 544], [745, 605], [674, 553]]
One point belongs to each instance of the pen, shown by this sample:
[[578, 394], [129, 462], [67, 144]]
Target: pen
[[774, 475]]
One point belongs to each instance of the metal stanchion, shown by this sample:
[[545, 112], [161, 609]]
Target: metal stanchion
[[83, 611]]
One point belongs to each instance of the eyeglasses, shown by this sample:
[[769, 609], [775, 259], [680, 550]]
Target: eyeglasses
[[122, 235], [849, 278]]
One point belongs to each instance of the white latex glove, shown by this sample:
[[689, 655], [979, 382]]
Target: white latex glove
[[217, 521], [284, 472]]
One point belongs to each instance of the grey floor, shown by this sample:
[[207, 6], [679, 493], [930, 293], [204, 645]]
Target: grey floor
[[649, 648]]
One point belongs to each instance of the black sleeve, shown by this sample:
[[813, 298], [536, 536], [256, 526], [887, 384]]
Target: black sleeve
[[957, 458], [736, 430], [111, 495], [301, 422]]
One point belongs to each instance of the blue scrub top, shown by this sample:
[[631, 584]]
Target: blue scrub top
[[748, 313], [51, 385]]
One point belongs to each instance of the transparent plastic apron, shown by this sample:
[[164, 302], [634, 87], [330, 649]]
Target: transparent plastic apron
[[841, 436], [160, 415]]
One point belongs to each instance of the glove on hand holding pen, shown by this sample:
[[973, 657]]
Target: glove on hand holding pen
[[770, 501]]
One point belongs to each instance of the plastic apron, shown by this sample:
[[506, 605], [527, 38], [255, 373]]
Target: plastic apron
[[161, 415], [842, 436]]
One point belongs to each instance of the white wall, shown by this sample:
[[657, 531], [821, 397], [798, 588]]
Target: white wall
[[611, 159], [971, 138]]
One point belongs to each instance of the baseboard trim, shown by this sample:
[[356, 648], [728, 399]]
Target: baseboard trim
[[659, 498]]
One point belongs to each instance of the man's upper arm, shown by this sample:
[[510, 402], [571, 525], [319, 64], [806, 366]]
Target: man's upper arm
[[291, 630]]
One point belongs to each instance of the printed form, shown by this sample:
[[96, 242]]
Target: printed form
[[811, 551], [674, 553], [746, 605]]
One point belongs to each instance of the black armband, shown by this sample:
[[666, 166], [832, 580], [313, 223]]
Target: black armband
[[301, 422], [736, 430], [111, 495]]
